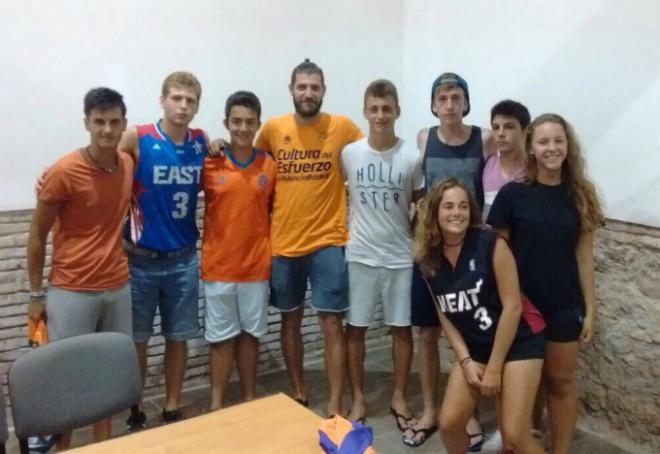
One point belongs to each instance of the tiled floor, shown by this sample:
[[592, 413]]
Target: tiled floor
[[378, 384]]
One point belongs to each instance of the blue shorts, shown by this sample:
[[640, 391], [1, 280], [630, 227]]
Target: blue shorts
[[328, 276], [172, 286]]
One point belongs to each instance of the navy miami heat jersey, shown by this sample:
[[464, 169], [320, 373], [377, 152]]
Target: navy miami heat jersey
[[468, 296], [165, 187]]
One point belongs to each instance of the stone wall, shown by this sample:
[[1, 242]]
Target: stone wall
[[619, 373], [14, 227]]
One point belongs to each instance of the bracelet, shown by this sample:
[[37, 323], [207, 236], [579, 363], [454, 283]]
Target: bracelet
[[37, 295], [493, 371], [464, 361]]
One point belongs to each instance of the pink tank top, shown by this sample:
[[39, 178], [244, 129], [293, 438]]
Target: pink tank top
[[493, 180]]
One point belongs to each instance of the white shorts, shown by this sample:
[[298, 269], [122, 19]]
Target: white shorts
[[369, 285], [232, 307]]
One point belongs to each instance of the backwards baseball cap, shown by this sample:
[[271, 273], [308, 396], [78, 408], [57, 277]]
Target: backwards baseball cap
[[451, 79]]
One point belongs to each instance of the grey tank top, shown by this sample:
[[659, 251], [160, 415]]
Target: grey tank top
[[464, 162]]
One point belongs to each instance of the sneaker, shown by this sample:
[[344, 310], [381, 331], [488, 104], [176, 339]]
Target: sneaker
[[41, 444], [136, 421], [493, 444]]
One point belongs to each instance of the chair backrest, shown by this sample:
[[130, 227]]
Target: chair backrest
[[73, 382]]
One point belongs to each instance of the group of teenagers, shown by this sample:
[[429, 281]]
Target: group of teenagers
[[484, 234]]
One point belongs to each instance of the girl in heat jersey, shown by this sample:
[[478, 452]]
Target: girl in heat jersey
[[497, 338]]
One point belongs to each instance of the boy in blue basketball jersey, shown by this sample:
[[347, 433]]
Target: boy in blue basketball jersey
[[161, 234]]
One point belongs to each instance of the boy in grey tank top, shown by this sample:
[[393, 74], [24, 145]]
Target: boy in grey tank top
[[451, 149]]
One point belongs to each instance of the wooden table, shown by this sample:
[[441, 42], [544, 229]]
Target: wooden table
[[275, 424]]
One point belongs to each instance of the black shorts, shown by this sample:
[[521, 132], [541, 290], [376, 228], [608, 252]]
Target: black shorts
[[422, 307], [563, 323], [528, 347]]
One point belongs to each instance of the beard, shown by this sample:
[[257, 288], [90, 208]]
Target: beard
[[306, 111]]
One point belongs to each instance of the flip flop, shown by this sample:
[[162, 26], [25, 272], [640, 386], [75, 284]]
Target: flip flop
[[476, 447], [413, 442], [398, 415]]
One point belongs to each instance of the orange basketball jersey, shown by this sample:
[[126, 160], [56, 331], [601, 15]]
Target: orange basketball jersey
[[236, 240]]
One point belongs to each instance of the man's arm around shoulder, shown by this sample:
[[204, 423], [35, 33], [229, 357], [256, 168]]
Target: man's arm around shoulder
[[488, 140], [129, 143], [422, 137]]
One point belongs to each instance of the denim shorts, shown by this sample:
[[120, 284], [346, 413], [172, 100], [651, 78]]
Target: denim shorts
[[172, 286], [328, 276]]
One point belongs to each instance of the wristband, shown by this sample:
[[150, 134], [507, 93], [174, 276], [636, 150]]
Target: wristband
[[37, 295], [464, 361]]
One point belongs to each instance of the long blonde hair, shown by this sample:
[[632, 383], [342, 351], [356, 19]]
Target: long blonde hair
[[573, 173], [427, 244]]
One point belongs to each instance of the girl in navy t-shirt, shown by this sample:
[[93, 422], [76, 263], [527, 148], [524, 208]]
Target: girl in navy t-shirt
[[550, 219], [499, 344]]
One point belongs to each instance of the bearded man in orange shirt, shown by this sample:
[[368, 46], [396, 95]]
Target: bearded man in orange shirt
[[308, 232]]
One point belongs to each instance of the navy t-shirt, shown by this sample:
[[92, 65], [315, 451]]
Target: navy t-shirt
[[544, 227]]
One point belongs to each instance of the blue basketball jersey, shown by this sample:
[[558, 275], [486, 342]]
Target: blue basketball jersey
[[165, 186]]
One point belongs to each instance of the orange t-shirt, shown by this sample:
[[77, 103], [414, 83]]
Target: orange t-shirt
[[237, 196], [87, 240], [309, 211]]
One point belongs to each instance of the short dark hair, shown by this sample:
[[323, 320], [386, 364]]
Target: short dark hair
[[307, 67], [245, 99], [103, 98], [381, 88], [513, 109]]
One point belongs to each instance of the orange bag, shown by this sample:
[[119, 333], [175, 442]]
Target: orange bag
[[37, 333]]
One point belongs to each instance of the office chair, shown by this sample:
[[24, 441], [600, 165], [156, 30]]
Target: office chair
[[71, 383], [3, 423]]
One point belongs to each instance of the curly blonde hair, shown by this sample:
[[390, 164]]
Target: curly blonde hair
[[427, 244], [573, 173]]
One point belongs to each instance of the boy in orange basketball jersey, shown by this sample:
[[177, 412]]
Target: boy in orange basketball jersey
[[236, 253]]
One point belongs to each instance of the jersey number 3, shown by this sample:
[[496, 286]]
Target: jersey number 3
[[180, 200], [481, 314]]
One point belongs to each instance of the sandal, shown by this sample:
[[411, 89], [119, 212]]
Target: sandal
[[398, 417], [476, 446], [413, 441]]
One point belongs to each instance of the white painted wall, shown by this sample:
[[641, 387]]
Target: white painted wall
[[596, 62], [54, 51]]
